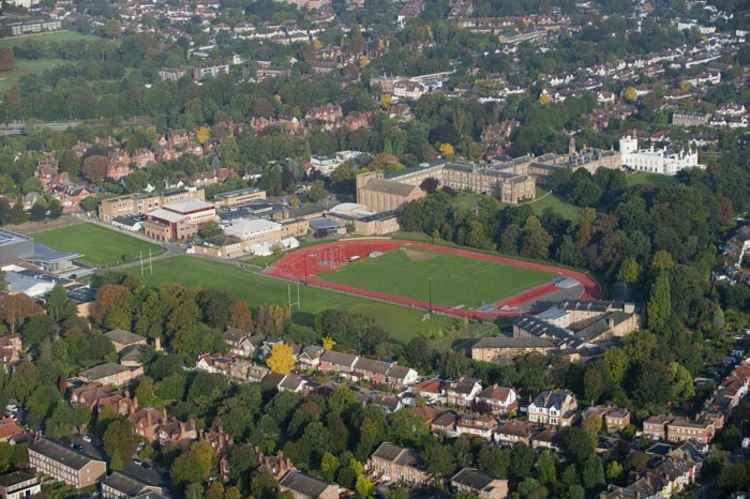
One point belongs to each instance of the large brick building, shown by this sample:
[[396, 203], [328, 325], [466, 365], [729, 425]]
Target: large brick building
[[140, 204], [509, 181], [178, 221], [64, 464], [398, 464]]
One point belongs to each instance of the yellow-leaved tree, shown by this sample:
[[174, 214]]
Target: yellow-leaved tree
[[447, 150], [630, 94], [545, 99], [328, 343], [201, 136], [281, 359]]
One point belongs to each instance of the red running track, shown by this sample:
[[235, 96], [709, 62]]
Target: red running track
[[304, 264]]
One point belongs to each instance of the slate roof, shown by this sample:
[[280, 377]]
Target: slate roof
[[512, 342], [102, 371], [495, 392], [372, 365], [470, 477], [539, 328], [124, 484], [303, 484], [552, 398], [10, 479], [398, 372], [390, 187], [61, 454], [338, 358], [124, 337], [399, 455]]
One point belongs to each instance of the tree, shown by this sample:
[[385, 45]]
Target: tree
[[521, 461], [209, 230], [328, 343], [111, 297], [202, 135], [120, 442], [329, 465], [195, 464], [364, 487], [62, 421], [95, 168], [614, 471], [577, 443], [36, 330], [281, 359], [439, 460], [682, 383], [7, 59], [659, 307], [194, 491], [652, 385], [271, 319], [662, 261], [535, 241], [144, 393], [630, 94], [59, 307], [429, 185], [630, 271], [16, 308], [592, 474], [215, 490], [447, 151], [494, 461], [239, 316], [546, 467], [89, 204], [594, 383]]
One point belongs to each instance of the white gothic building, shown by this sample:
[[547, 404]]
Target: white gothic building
[[661, 161]]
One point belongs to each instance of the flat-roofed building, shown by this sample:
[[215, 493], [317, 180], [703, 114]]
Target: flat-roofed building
[[14, 246], [140, 204], [195, 210], [165, 225], [254, 231], [19, 485], [64, 464], [239, 197]]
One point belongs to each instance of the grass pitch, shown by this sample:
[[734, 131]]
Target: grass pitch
[[402, 323], [99, 246], [454, 280]]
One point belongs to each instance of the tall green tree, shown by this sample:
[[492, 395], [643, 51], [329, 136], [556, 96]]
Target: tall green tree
[[659, 307]]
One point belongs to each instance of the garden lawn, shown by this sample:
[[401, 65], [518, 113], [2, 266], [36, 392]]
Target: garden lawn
[[645, 178], [100, 247], [25, 67], [454, 280], [402, 323], [467, 201]]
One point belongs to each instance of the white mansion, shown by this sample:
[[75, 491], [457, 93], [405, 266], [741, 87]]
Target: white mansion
[[661, 161]]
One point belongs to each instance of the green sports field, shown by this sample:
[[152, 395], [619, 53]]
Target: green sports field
[[100, 247], [256, 289], [61, 36], [454, 280]]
